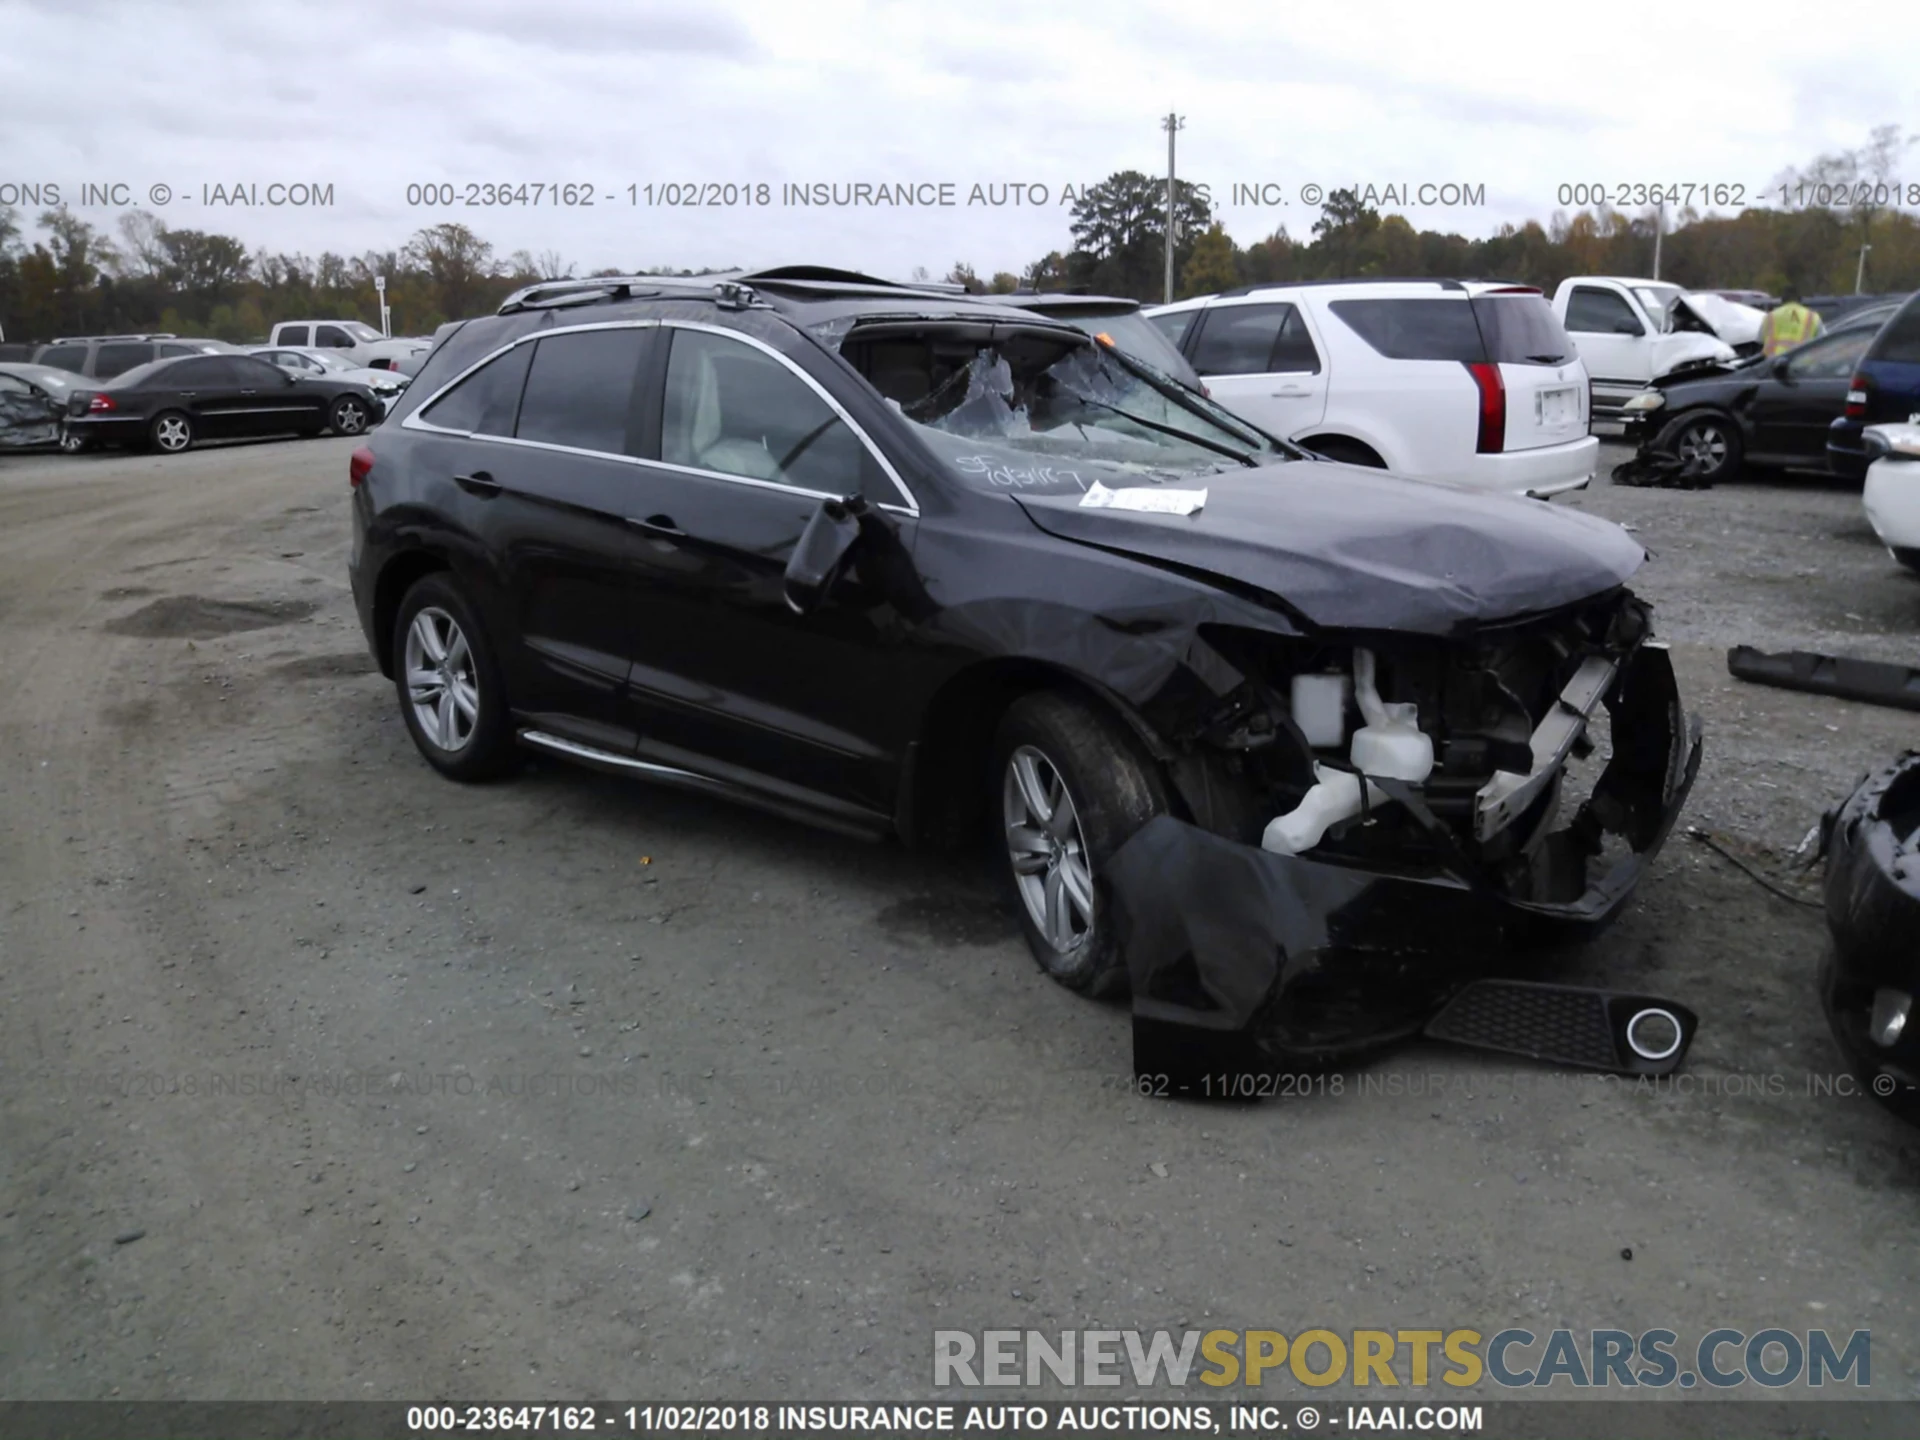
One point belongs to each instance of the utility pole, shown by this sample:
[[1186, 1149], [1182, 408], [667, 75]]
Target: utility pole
[[1659, 228], [1860, 270], [1173, 124]]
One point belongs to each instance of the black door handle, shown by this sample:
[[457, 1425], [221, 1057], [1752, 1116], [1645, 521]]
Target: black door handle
[[478, 483], [660, 525]]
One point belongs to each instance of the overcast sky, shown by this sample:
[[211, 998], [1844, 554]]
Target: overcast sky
[[370, 96]]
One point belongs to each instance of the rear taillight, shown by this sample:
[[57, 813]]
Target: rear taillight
[[358, 464], [1856, 398], [1493, 407], [100, 404]]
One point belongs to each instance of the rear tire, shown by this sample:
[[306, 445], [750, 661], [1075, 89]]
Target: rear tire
[[171, 432], [451, 693], [1070, 787]]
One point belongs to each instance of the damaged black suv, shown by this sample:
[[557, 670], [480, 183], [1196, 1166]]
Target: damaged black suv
[[1251, 729]]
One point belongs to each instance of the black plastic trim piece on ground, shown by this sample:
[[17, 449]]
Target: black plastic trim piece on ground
[[1873, 681]]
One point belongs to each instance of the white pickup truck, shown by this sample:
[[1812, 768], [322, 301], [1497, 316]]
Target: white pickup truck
[[1629, 332], [356, 340]]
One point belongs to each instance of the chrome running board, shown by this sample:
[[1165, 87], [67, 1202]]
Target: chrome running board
[[705, 784]]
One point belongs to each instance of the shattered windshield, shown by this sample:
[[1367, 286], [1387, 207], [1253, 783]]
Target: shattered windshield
[[1054, 398]]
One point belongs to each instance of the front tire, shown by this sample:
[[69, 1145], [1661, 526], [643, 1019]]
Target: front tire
[[171, 432], [1070, 788], [1707, 445], [451, 694], [348, 415], [72, 442]]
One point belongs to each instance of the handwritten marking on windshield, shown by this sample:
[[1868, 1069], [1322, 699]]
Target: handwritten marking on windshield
[[1007, 476]]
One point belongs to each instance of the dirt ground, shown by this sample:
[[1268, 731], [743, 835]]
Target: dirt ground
[[323, 1077]]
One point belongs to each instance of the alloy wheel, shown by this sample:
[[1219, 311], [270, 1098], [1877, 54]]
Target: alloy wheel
[[442, 684], [1703, 446], [72, 442], [1047, 850], [349, 418], [173, 433]]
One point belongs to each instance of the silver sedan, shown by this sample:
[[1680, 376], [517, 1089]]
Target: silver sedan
[[298, 360]]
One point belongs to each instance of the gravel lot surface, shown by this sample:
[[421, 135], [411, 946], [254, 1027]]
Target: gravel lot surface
[[325, 1077]]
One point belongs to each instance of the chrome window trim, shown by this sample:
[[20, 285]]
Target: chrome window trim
[[416, 418], [641, 462]]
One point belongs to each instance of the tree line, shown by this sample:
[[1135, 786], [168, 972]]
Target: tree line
[[146, 275]]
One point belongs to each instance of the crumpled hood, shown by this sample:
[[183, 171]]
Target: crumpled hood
[[1688, 349], [1356, 548], [1731, 321]]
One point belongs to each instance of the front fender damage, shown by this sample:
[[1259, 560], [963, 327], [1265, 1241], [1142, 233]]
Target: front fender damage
[[1245, 962]]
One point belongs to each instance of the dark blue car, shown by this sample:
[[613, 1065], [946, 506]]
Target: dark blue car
[[1885, 389]]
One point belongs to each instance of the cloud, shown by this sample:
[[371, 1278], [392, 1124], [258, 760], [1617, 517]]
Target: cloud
[[381, 98]]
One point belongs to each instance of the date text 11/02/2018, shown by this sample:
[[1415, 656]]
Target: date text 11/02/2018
[[922, 1418]]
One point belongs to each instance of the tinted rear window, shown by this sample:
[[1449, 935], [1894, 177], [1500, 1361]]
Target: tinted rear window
[[110, 360], [249, 370], [1898, 342], [292, 335], [486, 401], [1521, 330], [1415, 329], [1240, 339], [1173, 324], [134, 378], [580, 390], [65, 357], [204, 371]]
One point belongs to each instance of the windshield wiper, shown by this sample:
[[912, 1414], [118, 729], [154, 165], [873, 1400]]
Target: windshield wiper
[[1546, 359], [1188, 398], [1174, 430]]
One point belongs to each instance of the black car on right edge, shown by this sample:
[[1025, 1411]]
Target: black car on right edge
[[925, 566], [1762, 411]]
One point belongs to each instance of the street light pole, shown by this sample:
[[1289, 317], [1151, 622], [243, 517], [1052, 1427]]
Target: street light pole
[[1173, 124], [1659, 229], [1860, 270]]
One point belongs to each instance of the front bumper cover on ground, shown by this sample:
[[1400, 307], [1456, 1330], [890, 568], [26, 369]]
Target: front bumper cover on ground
[[1246, 961]]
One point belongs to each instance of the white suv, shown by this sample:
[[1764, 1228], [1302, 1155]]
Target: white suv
[[1463, 381]]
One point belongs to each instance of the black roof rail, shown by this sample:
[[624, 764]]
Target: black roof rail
[[549, 294], [819, 274], [1444, 282], [827, 277]]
